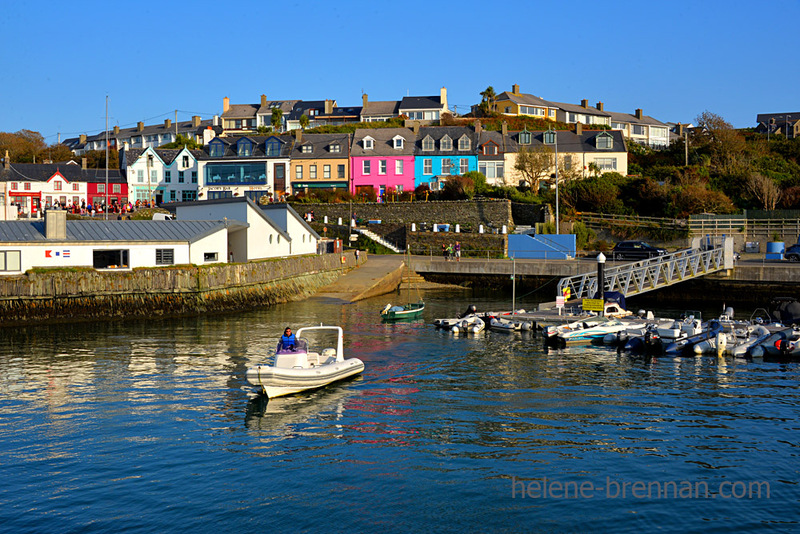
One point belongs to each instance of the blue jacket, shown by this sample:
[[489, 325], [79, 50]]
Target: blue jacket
[[288, 341]]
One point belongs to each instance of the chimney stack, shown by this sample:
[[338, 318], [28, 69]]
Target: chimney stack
[[328, 106], [478, 127], [196, 121], [578, 128], [515, 89], [55, 224], [504, 128], [7, 161], [364, 100], [585, 103], [600, 106], [167, 124], [639, 114], [298, 137], [83, 139], [215, 120], [139, 126], [263, 101], [83, 163], [116, 130], [415, 127], [226, 104], [443, 97]]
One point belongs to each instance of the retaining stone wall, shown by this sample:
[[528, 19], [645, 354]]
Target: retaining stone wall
[[70, 296]]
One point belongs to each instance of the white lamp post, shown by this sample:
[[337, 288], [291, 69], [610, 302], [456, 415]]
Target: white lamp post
[[551, 138]]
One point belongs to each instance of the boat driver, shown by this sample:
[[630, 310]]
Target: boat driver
[[288, 341]]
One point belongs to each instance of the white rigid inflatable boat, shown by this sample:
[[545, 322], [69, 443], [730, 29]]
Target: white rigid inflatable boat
[[299, 369]]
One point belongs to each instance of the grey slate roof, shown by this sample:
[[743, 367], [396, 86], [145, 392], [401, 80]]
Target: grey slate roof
[[167, 155], [41, 172], [285, 106], [260, 209], [438, 132], [421, 102], [259, 148], [631, 119], [113, 231], [577, 108], [320, 144], [525, 99], [504, 144], [569, 141], [383, 144], [241, 111], [388, 107]]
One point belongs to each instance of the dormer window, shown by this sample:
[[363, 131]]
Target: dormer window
[[464, 143], [273, 147], [216, 149], [306, 149], [335, 148], [489, 149], [446, 143], [524, 137], [244, 148], [427, 143], [398, 142], [604, 141], [369, 143]]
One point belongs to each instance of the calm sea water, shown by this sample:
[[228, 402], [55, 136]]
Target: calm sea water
[[151, 427]]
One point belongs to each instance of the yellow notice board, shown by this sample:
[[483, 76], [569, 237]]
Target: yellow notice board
[[593, 305]]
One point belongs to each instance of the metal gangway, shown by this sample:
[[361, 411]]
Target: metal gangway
[[707, 255]]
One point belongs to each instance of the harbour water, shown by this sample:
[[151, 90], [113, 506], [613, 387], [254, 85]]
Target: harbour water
[[150, 427]]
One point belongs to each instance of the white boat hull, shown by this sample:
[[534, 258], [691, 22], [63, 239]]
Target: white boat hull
[[277, 382]]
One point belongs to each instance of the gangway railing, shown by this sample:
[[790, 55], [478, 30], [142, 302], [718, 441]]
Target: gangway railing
[[647, 275]]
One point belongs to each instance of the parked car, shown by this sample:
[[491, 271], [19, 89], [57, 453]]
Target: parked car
[[635, 250], [792, 253]]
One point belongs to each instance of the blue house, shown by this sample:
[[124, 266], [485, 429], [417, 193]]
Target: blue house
[[444, 151]]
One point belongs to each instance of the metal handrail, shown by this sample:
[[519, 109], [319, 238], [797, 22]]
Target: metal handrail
[[646, 275]]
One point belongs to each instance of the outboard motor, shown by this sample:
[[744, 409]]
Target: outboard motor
[[729, 312], [471, 309]]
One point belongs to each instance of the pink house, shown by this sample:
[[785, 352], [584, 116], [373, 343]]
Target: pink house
[[383, 159]]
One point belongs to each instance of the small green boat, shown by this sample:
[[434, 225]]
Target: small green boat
[[412, 310]]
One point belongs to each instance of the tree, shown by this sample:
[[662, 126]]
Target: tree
[[96, 159], [24, 146], [303, 121], [277, 115], [182, 141], [534, 164], [764, 190], [488, 96], [724, 144], [458, 188]]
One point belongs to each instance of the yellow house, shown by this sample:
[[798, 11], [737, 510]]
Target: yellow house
[[516, 103], [320, 161]]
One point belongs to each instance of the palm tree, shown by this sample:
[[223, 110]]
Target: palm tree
[[277, 114], [489, 97], [304, 121]]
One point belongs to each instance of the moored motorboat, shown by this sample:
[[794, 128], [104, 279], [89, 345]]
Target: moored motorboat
[[298, 368], [593, 333], [509, 324], [472, 324], [412, 310]]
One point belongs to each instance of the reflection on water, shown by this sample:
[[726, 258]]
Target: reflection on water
[[157, 415]]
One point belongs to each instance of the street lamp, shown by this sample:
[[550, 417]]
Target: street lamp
[[551, 138]]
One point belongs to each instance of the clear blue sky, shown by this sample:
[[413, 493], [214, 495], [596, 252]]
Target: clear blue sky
[[672, 59]]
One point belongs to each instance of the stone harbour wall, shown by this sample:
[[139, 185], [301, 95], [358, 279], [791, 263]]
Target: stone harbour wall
[[87, 295]]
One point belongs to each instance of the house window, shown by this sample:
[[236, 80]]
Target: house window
[[75, 187], [605, 142], [551, 113], [399, 188], [638, 129], [524, 137], [244, 148], [306, 149], [298, 172], [101, 188], [340, 171], [427, 143], [191, 196], [398, 142], [168, 177], [273, 148], [617, 126], [10, 260], [173, 196], [529, 110], [181, 177], [445, 166], [464, 143], [427, 166], [464, 165], [153, 177], [312, 172], [57, 185], [110, 259], [489, 150], [13, 186], [606, 164], [165, 256], [116, 189], [27, 186], [365, 167], [194, 177], [210, 256], [326, 172], [335, 148], [368, 143], [446, 143], [382, 166], [140, 176], [185, 161], [398, 167], [507, 109], [216, 150]]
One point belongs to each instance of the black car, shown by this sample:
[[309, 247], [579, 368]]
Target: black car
[[792, 253], [635, 250]]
